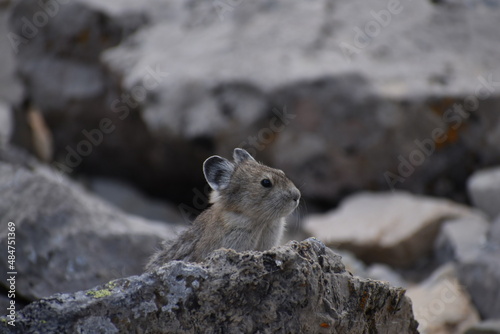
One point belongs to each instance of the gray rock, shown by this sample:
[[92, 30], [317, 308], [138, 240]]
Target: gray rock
[[461, 239], [485, 327], [441, 305], [481, 277], [296, 288], [394, 228], [66, 239], [484, 190]]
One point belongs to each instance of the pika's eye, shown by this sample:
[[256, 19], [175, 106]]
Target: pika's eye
[[266, 183]]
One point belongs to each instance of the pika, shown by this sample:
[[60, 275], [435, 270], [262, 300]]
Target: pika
[[250, 202]]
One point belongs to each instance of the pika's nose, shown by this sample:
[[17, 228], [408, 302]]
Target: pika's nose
[[295, 194]]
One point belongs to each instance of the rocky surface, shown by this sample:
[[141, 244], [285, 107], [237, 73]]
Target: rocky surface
[[441, 305], [66, 239], [394, 228], [361, 96], [290, 289], [342, 96]]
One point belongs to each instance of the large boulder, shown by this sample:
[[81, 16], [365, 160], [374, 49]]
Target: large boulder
[[296, 288], [348, 100], [342, 95], [396, 228], [66, 239]]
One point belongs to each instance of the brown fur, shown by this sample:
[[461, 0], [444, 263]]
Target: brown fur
[[244, 214]]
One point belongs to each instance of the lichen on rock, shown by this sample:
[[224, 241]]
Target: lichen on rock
[[301, 287]]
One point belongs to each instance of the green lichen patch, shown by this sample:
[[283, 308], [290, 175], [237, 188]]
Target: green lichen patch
[[106, 291], [99, 293]]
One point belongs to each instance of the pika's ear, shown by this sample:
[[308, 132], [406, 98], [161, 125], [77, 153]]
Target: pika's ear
[[240, 155], [218, 172]]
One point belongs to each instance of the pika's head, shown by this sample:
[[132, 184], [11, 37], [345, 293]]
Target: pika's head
[[250, 188]]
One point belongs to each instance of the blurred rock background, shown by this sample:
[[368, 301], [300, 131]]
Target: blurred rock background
[[385, 114]]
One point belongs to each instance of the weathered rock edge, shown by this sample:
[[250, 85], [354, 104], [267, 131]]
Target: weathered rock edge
[[301, 287]]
